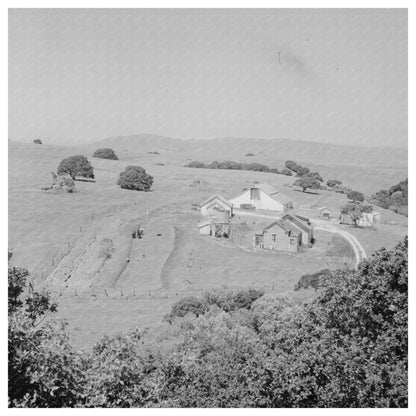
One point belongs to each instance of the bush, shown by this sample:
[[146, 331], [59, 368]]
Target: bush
[[286, 172], [195, 164], [190, 304], [37, 141], [314, 280], [333, 182], [355, 196], [77, 165], [135, 178], [105, 153], [249, 154], [231, 301], [289, 164]]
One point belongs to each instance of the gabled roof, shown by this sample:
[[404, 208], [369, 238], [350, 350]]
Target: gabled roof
[[299, 221], [217, 196], [284, 225], [272, 192]]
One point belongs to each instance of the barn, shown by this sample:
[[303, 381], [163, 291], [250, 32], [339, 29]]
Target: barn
[[264, 197], [217, 207]]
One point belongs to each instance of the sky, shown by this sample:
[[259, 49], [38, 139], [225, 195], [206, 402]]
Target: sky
[[328, 75]]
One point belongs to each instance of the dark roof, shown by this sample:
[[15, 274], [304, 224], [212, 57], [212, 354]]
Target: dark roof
[[284, 225], [300, 221]]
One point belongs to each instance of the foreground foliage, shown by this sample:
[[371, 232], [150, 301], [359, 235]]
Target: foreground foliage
[[346, 348]]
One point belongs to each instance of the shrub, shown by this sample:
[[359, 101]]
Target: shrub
[[37, 141], [195, 164], [105, 153], [355, 196], [231, 301], [286, 172], [77, 165], [314, 280], [289, 164], [135, 178], [249, 154], [190, 304], [333, 182]]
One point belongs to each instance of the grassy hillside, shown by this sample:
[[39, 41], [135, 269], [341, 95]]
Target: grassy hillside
[[362, 168], [79, 245]]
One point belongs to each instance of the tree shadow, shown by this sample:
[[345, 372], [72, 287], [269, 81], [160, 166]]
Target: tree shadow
[[307, 192]]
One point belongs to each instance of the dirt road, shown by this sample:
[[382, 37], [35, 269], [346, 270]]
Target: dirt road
[[324, 225]]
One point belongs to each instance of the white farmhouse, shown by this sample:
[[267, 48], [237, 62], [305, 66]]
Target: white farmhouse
[[262, 196]]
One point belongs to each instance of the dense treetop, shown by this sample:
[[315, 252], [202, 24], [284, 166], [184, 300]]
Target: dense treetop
[[348, 347]]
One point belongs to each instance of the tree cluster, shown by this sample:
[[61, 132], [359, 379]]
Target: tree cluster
[[105, 153], [135, 178], [394, 198], [348, 347]]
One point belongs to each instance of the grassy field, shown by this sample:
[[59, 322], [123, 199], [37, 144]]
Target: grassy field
[[79, 245]]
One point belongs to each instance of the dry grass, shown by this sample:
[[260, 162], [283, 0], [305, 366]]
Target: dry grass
[[62, 236]]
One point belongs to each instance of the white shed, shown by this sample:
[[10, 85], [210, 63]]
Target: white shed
[[217, 207]]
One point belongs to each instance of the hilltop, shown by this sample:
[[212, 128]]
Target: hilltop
[[362, 168]]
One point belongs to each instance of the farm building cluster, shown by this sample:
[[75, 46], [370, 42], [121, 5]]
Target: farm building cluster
[[286, 233]]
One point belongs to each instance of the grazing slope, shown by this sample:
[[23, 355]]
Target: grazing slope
[[79, 245]]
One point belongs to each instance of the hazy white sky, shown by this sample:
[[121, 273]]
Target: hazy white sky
[[325, 75]]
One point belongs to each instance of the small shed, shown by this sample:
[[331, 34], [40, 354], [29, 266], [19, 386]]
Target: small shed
[[217, 207], [218, 229], [204, 227], [325, 212]]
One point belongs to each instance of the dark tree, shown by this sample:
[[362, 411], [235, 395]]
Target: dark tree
[[355, 211], [43, 369], [286, 172], [315, 175], [249, 154], [105, 153], [37, 141], [74, 166], [289, 164], [191, 304], [307, 183], [301, 171], [195, 164], [355, 196], [135, 178], [333, 182]]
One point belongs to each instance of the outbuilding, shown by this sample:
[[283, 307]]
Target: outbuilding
[[264, 197], [325, 212], [217, 207]]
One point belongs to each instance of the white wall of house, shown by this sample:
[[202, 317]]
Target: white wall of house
[[214, 205], [264, 202]]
